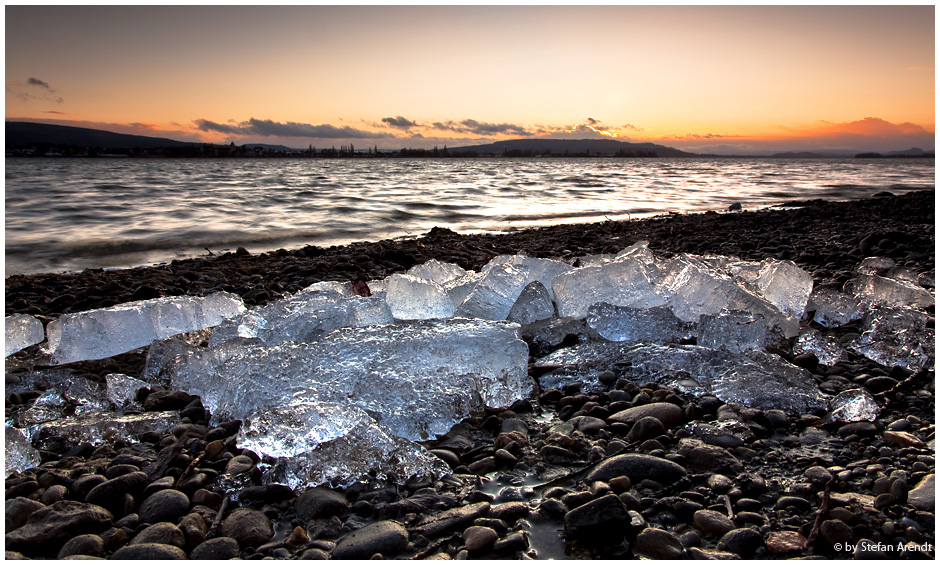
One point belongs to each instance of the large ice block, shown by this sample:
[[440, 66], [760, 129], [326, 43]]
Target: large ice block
[[875, 265], [648, 325], [533, 304], [437, 271], [411, 298], [459, 289], [18, 454], [785, 285], [626, 282], [97, 334], [833, 308], [753, 378], [828, 350], [21, 332], [877, 291], [535, 269], [416, 378], [896, 336], [313, 443], [692, 287], [854, 405], [735, 331], [492, 298]]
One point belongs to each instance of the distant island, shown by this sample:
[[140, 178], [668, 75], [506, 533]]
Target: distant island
[[29, 139]]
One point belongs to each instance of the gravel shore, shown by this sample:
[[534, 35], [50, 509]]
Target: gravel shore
[[613, 471]]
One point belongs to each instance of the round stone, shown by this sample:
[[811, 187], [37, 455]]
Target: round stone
[[712, 523], [479, 538], [216, 549], [249, 526], [657, 544], [164, 506]]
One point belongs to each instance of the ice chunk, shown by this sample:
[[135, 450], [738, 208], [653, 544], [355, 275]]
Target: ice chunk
[[753, 378], [19, 455], [693, 288], [122, 391], [833, 308], [596, 260], [873, 290], [416, 378], [102, 428], [785, 285], [638, 250], [74, 396], [875, 265], [437, 271], [854, 405], [492, 298], [896, 336], [626, 282], [97, 334], [340, 289], [545, 335], [535, 269], [459, 289], [533, 304], [828, 350], [369, 311], [745, 271], [313, 443], [21, 332], [411, 298], [649, 325], [711, 432], [735, 331]]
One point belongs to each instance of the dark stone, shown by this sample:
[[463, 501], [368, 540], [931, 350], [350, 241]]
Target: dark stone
[[194, 529], [18, 510], [320, 502], [657, 544], [601, 518], [160, 533], [250, 527], [637, 467], [858, 428], [836, 532], [159, 400], [265, 494], [786, 501], [110, 494], [645, 428], [48, 528], [880, 384], [216, 548], [515, 541], [712, 523], [85, 544], [436, 524], [149, 552], [164, 506], [509, 511], [385, 537], [666, 412], [743, 541]]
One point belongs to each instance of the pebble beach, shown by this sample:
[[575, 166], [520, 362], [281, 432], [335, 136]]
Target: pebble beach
[[572, 472]]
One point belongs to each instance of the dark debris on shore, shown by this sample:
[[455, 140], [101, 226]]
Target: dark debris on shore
[[620, 475]]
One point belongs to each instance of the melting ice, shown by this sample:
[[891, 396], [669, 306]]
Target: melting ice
[[21, 332]]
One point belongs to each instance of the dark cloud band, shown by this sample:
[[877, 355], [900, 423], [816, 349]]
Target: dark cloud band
[[270, 128]]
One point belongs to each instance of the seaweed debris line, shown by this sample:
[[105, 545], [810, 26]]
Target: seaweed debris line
[[599, 382]]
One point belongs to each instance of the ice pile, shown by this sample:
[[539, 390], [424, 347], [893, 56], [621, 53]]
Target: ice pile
[[307, 442], [752, 378], [417, 378], [896, 336], [97, 334], [21, 332]]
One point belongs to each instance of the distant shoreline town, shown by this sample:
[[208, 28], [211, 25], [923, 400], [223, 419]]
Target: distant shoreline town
[[27, 139]]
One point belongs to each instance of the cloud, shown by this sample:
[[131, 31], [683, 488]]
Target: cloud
[[270, 128], [481, 128], [399, 122], [55, 112], [25, 91], [41, 83]]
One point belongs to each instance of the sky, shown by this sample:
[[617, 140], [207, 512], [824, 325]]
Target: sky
[[716, 79]]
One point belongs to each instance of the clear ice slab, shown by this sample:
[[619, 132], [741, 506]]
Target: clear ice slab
[[753, 378], [416, 378], [309, 443], [98, 334], [21, 332], [493, 296], [785, 285], [437, 271], [854, 405], [413, 298], [735, 331], [834, 308], [896, 336], [533, 304], [625, 282], [535, 269], [877, 291], [102, 427], [649, 325], [18, 454], [828, 350]]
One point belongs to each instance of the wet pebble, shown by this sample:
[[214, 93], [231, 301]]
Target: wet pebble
[[479, 538], [386, 537], [742, 541], [164, 506], [149, 552], [249, 526], [712, 523], [657, 544], [85, 544], [162, 533], [216, 548]]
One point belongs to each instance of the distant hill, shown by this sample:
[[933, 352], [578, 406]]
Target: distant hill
[[539, 146], [25, 134]]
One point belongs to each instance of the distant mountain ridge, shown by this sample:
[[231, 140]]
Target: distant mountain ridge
[[539, 146], [24, 134]]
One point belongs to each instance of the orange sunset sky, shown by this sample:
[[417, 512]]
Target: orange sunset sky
[[718, 79]]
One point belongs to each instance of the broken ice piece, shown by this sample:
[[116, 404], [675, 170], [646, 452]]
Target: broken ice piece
[[533, 304], [725, 433], [896, 336], [314, 443], [647, 325], [833, 308], [102, 428], [873, 290], [102, 333], [875, 265], [369, 311], [828, 350], [74, 396], [692, 287], [459, 289], [734, 331], [412, 298], [122, 391], [626, 282], [19, 455], [437, 271], [535, 269], [21, 332], [854, 405], [492, 298], [785, 285]]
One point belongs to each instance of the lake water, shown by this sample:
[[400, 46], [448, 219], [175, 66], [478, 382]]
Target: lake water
[[72, 214]]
